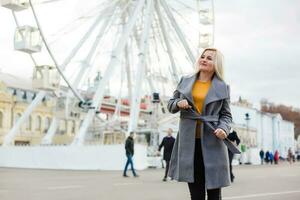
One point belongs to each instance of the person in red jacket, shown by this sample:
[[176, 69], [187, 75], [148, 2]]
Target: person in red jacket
[[276, 157]]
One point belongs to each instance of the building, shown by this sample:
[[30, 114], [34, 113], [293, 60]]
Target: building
[[15, 96], [260, 130]]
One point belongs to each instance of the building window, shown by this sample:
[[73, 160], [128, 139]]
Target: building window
[[28, 124], [38, 126], [47, 124], [62, 127], [17, 117], [73, 126], [1, 120]]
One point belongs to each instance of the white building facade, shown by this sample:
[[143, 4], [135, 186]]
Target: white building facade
[[262, 130]]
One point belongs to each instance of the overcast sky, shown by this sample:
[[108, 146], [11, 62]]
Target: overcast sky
[[260, 41]]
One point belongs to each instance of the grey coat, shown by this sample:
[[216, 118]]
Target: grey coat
[[216, 110]]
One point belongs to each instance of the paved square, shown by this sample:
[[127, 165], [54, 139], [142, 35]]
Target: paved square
[[252, 182]]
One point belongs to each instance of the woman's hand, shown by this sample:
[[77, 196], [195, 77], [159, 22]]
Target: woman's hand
[[220, 133], [183, 104]]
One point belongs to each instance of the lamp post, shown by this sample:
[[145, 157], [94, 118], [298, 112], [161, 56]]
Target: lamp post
[[247, 119], [154, 133]]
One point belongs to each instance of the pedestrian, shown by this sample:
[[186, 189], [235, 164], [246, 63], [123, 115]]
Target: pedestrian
[[199, 156], [276, 157], [167, 143], [297, 155], [271, 157], [267, 157], [129, 148], [233, 137], [262, 155], [290, 155]]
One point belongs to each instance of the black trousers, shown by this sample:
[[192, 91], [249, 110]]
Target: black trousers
[[230, 155], [197, 188], [167, 168]]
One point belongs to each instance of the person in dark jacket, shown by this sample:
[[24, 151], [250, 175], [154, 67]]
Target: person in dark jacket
[[129, 148], [262, 155], [233, 137], [267, 157], [167, 143]]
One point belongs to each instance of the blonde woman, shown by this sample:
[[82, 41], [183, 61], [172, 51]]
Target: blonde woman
[[199, 156]]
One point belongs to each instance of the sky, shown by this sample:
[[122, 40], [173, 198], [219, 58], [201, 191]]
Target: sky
[[259, 39]]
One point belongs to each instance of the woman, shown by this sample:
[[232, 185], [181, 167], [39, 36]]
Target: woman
[[199, 156]]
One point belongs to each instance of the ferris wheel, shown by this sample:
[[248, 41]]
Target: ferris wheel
[[130, 47]]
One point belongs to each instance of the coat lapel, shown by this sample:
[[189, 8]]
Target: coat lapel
[[186, 87], [216, 92]]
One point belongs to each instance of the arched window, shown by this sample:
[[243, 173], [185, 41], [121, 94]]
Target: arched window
[[38, 125], [47, 124], [62, 127], [1, 120], [28, 123], [73, 126], [17, 117]]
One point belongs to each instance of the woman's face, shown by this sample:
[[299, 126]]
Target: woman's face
[[206, 61]]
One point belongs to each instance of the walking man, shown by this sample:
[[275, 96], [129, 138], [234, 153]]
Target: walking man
[[129, 147], [167, 143]]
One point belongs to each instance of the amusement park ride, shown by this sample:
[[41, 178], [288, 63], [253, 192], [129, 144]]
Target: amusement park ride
[[144, 45]]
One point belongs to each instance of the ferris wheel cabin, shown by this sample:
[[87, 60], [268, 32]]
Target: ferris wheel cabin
[[28, 39], [45, 78], [15, 5]]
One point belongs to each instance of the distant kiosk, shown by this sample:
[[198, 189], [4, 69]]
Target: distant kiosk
[[28, 39], [15, 5]]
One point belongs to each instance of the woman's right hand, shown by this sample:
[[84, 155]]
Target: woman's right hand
[[183, 104]]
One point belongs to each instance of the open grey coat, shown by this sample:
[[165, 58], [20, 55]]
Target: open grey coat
[[216, 110]]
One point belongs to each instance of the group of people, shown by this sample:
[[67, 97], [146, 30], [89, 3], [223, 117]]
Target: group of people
[[167, 143], [199, 154], [268, 157]]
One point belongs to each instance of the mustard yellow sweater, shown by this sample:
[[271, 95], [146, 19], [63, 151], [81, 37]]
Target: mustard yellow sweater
[[199, 92]]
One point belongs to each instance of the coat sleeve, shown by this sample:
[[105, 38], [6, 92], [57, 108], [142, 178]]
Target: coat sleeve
[[225, 118], [172, 103], [161, 144], [127, 146]]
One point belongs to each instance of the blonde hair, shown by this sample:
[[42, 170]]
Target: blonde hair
[[218, 62]]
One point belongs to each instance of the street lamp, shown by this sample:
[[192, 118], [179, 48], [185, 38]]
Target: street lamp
[[154, 132], [247, 118]]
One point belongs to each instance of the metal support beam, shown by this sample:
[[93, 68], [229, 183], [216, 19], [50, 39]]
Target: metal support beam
[[178, 31], [166, 40], [98, 97], [51, 54], [143, 46], [83, 67]]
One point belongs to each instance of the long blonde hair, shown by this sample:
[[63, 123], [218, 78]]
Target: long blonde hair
[[218, 62]]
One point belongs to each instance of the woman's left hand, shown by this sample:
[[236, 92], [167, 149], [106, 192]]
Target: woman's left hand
[[220, 133]]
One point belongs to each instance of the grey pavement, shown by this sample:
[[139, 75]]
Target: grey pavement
[[252, 182]]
